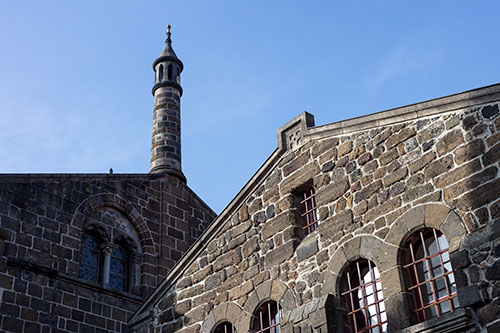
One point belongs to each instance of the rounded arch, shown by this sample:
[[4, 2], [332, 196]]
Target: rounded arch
[[435, 216], [226, 312], [270, 290], [383, 255], [108, 200]]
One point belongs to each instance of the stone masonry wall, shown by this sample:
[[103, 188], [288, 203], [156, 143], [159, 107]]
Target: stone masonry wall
[[42, 218], [373, 189]]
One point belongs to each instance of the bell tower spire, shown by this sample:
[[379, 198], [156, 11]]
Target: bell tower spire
[[167, 92]]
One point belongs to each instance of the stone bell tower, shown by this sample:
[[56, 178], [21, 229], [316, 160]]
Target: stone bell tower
[[167, 92]]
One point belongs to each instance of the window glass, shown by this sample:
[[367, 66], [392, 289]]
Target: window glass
[[225, 327], [363, 298], [310, 211], [267, 318], [119, 268], [431, 281], [90, 261]]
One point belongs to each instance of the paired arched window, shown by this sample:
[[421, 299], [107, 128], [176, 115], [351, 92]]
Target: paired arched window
[[267, 318], [361, 291], [429, 275], [225, 327], [104, 263]]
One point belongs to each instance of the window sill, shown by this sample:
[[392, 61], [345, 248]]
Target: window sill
[[54, 274], [455, 321], [307, 247]]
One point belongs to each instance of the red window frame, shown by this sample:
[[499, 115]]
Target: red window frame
[[225, 327], [429, 297], [310, 214], [363, 298], [267, 318]]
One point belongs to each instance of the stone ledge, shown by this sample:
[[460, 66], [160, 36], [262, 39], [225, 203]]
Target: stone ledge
[[13, 177], [456, 321], [54, 274], [405, 113]]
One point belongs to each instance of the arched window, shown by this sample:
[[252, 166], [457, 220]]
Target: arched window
[[160, 73], [267, 318], [429, 274], [178, 76], [169, 72], [118, 272], [362, 297], [225, 327], [91, 257]]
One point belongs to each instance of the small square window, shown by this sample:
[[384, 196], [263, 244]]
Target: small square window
[[309, 211]]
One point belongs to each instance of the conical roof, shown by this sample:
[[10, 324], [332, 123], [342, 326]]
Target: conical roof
[[168, 53]]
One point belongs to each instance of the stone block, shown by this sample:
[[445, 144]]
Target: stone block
[[489, 313], [414, 218], [489, 111], [280, 254], [324, 145], [368, 191], [241, 290], [243, 212], [435, 215], [332, 192], [395, 176], [288, 301], [469, 296], [392, 282], [458, 174], [492, 155], [386, 257], [345, 148], [492, 273], [307, 249], [431, 132], [299, 178], [225, 260], [338, 261], [449, 141], [417, 192], [278, 224], [351, 248], [420, 163], [469, 151], [460, 259], [477, 197], [388, 156], [278, 289], [369, 247], [453, 227], [296, 164], [438, 167], [397, 231], [399, 137]]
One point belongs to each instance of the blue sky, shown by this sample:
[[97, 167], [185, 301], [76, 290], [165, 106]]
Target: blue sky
[[76, 76]]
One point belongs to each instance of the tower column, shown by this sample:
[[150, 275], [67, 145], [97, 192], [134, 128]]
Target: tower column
[[167, 92]]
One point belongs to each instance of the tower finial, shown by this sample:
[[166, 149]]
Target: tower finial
[[168, 33]]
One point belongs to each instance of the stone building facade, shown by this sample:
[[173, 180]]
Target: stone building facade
[[388, 222], [80, 252]]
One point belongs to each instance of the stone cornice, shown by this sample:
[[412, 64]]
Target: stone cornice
[[406, 113]]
